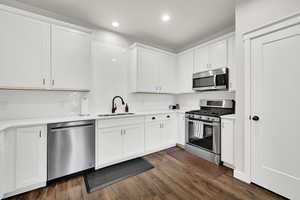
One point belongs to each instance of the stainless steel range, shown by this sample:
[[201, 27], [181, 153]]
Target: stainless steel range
[[203, 128]]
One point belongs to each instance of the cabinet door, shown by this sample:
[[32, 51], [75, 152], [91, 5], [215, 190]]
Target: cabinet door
[[70, 59], [181, 129], [148, 74], [185, 66], [167, 74], [31, 156], [24, 52], [227, 141], [201, 59], [153, 135], [134, 140], [218, 54], [169, 134], [110, 143], [231, 63]]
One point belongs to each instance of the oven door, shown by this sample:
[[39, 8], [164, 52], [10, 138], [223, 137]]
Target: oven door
[[205, 135]]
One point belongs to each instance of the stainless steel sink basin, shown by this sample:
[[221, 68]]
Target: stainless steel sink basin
[[114, 114]]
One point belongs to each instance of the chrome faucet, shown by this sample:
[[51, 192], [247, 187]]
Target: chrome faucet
[[114, 107]]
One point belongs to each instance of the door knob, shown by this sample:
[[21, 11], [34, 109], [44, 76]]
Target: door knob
[[255, 118]]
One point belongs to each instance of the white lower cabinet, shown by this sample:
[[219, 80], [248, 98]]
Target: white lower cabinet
[[160, 131], [133, 140], [153, 135], [227, 141], [119, 140], [110, 142], [181, 129], [25, 161]]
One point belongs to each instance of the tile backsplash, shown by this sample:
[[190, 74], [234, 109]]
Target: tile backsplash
[[32, 104]]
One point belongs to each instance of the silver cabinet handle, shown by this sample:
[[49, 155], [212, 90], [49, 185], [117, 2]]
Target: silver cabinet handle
[[121, 131], [40, 134], [44, 81], [52, 82]]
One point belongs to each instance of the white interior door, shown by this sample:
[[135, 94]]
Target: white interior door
[[276, 101]]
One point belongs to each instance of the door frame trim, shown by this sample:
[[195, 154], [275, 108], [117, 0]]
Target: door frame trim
[[274, 26]]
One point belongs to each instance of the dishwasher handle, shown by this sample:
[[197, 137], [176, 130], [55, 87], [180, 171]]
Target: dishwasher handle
[[70, 127], [64, 125]]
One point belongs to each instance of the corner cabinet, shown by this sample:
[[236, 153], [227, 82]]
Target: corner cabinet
[[25, 161], [151, 70], [185, 66], [39, 55]]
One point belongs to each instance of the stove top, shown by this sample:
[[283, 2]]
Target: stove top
[[214, 112]]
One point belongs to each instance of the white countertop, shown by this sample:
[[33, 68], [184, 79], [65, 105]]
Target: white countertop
[[5, 124], [228, 116]]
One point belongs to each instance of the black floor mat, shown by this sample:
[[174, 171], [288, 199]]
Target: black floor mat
[[109, 175]]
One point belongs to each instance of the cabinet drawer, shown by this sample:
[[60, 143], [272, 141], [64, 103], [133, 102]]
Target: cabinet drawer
[[153, 118], [168, 116], [107, 123]]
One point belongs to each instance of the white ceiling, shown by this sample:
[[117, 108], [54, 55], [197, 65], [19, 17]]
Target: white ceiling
[[191, 20]]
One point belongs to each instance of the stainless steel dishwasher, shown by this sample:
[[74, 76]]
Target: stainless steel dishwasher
[[71, 148]]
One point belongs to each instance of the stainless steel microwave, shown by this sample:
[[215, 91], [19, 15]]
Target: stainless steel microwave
[[216, 79]]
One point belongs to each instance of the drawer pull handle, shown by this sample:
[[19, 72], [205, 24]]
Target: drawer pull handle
[[153, 118], [168, 116]]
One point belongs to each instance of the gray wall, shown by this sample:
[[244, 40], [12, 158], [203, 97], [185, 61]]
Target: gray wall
[[252, 14]]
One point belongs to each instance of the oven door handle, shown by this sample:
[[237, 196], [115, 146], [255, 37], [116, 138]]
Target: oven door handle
[[202, 122]]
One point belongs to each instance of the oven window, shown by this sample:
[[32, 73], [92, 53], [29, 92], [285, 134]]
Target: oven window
[[203, 82], [200, 135]]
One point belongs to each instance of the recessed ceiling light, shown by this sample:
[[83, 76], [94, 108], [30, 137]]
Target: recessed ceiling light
[[115, 24], [165, 18]]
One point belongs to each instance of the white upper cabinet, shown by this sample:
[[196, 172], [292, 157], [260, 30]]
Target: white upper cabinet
[[24, 52], [167, 74], [185, 64], [151, 70], [211, 56], [201, 59], [148, 70], [37, 55], [218, 54], [71, 54], [231, 63]]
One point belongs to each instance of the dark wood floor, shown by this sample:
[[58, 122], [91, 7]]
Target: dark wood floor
[[177, 175]]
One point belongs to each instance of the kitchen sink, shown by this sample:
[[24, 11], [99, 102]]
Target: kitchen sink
[[114, 114]]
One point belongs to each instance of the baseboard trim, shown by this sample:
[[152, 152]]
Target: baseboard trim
[[242, 176], [24, 189]]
